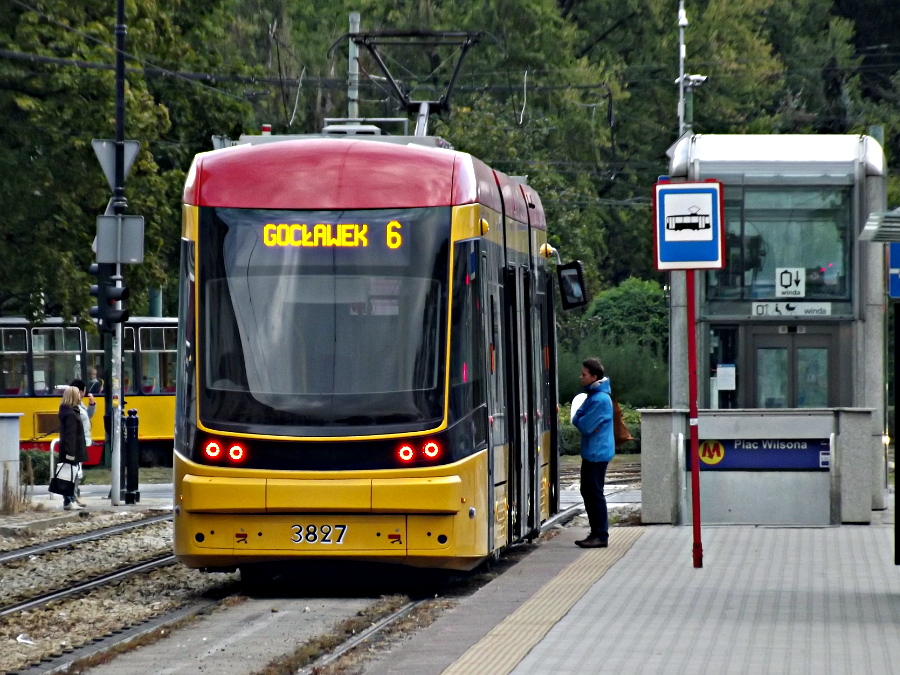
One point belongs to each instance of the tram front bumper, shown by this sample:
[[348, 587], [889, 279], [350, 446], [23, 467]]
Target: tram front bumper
[[208, 494]]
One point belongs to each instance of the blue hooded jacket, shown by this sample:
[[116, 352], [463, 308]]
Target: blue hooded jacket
[[594, 419]]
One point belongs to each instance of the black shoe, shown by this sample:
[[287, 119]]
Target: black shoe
[[592, 542]]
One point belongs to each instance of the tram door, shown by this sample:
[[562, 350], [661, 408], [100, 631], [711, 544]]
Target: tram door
[[794, 369], [517, 369], [532, 446]]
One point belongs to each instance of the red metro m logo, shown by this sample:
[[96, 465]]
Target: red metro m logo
[[711, 452]]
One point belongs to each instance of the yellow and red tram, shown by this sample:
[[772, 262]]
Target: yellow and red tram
[[38, 361], [367, 365]]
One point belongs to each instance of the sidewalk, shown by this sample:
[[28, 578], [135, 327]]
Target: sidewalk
[[153, 496], [767, 600]]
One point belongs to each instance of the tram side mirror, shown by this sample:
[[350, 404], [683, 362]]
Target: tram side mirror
[[571, 285]]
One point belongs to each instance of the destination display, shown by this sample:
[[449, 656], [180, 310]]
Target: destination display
[[383, 237], [330, 235], [764, 455]]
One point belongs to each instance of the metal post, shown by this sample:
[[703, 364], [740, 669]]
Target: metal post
[[682, 52], [132, 495], [353, 70], [693, 417], [688, 107], [119, 206]]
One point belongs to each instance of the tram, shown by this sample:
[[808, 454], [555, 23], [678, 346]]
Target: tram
[[367, 358], [38, 361]]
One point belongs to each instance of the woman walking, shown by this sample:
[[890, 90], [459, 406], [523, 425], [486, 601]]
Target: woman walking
[[72, 449]]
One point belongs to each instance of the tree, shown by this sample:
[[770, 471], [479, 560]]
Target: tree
[[51, 188]]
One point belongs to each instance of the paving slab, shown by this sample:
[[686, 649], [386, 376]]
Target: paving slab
[[767, 600]]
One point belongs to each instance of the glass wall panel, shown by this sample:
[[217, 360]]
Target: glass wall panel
[[772, 228], [812, 377], [772, 378]]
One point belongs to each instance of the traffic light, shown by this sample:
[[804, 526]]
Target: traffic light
[[98, 290], [107, 294], [116, 294]]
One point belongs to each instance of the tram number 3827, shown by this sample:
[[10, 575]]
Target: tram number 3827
[[318, 534]]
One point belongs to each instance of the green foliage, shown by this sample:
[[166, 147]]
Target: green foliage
[[577, 95], [639, 376], [40, 466], [634, 311], [626, 327], [569, 436]]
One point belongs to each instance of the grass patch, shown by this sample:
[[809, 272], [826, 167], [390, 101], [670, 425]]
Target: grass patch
[[98, 475]]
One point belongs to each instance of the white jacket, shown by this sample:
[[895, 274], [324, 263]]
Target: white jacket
[[87, 412]]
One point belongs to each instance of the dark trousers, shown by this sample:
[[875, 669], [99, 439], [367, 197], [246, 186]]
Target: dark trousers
[[593, 477]]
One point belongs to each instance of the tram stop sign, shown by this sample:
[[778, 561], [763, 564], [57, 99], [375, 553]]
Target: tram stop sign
[[688, 226]]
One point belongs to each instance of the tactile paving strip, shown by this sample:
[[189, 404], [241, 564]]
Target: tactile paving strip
[[498, 652]]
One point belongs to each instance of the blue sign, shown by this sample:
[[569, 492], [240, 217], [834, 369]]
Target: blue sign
[[795, 454], [689, 226], [894, 270]]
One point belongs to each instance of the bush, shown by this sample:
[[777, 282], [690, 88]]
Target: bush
[[638, 375], [40, 466], [569, 436]]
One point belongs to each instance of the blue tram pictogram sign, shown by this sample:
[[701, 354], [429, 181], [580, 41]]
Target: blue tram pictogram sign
[[688, 225]]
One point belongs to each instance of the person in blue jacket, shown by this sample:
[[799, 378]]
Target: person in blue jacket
[[594, 419]]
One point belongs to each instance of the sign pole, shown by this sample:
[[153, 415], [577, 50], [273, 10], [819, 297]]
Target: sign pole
[[119, 205], [693, 415], [690, 236]]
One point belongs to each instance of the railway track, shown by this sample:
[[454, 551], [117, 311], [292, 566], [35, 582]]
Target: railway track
[[36, 575], [112, 641], [83, 586], [64, 542]]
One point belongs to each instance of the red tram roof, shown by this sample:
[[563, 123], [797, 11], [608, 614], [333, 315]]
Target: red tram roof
[[332, 174]]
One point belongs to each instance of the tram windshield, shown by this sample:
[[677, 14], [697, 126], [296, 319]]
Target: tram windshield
[[318, 323]]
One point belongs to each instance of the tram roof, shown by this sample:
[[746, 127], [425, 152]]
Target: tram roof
[[810, 157], [344, 173]]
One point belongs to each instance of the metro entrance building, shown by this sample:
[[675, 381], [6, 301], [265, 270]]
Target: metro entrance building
[[790, 339]]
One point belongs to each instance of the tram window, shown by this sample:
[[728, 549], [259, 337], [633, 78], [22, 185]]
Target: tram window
[[57, 357], [129, 384], [466, 348], [159, 350], [13, 362], [96, 373]]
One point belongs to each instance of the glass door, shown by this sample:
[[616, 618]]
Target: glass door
[[793, 369]]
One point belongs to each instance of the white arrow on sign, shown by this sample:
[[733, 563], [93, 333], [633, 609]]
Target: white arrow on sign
[[106, 153]]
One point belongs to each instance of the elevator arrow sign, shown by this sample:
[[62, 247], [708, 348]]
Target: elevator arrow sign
[[790, 282]]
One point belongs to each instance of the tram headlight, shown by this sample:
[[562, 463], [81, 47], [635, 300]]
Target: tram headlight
[[236, 452], [431, 449], [406, 453], [213, 450]]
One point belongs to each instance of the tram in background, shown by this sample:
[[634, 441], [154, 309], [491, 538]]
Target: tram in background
[[367, 358], [37, 362]]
